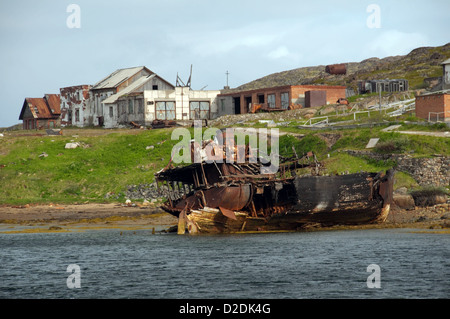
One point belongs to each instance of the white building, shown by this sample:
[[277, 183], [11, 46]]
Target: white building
[[75, 106], [134, 95], [142, 107], [106, 113]]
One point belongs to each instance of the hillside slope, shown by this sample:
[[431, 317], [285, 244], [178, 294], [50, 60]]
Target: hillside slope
[[419, 64]]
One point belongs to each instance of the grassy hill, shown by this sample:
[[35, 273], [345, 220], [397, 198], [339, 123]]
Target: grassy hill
[[39, 169], [419, 64]]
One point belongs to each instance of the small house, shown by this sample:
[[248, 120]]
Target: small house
[[433, 107], [41, 113]]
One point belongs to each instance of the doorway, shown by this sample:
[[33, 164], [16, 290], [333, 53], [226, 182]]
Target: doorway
[[237, 105]]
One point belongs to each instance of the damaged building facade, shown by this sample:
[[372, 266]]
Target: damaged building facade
[[75, 106], [279, 98], [143, 102], [372, 86], [41, 113], [107, 114]]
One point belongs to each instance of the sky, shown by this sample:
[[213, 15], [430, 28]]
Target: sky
[[50, 44]]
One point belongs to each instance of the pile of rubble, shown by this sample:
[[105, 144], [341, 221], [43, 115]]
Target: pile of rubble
[[149, 192], [285, 116]]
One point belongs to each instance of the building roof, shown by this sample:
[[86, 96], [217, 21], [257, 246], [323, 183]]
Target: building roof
[[54, 103], [446, 61], [130, 88], [117, 77], [42, 108]]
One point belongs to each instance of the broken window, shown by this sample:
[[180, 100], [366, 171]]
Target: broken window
[[130, 107], [199, 110], [285, 100], [261, 98], [111, 111], [165, 110], [271, 100], [77, 115], [140, 106]]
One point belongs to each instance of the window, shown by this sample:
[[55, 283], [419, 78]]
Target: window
[[77, 115], [222, 105], [130, 107], [111, 111], [165, 110], [285, 100], [271, 101], [199, 110], [154, 87], [140, 106]]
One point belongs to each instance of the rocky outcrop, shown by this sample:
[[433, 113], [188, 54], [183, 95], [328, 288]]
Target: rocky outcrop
[[434, 171]]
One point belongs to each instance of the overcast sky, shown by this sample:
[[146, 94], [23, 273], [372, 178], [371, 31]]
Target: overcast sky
[[40, 52]]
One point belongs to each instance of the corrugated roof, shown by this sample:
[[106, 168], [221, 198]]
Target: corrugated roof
[[116, 78], [42, 108], [133, 86], [54, 103], [38, 107]]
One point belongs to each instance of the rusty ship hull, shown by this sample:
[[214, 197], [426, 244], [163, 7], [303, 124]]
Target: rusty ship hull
[[229, 198]]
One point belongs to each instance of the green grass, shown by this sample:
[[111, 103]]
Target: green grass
[[343, 162], [306, 144], [112, 160], [108, 164]]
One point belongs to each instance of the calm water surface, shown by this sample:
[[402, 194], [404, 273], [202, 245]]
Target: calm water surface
[[331, 264]]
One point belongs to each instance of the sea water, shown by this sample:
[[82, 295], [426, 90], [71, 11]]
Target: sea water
[[138, 264]]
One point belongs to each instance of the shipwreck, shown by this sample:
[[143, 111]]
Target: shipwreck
[[224, 197]]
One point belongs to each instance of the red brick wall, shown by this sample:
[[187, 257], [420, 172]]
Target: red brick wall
[[333, 92], [436, 103]]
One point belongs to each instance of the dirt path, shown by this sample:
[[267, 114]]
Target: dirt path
[[435, 134]]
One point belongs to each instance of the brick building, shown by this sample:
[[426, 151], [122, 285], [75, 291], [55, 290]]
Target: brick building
[[276, 98], [433, 107]]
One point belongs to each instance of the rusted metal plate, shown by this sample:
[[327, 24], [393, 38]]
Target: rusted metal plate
[[231, 197], [228, 213]]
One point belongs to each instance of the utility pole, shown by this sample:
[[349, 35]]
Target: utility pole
[[227, 73]]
